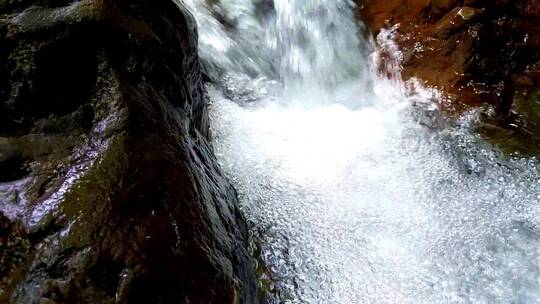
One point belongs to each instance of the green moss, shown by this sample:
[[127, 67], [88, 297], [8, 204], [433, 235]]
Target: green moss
[[89, 199], [264, 276], [14, 250], [518, 134]]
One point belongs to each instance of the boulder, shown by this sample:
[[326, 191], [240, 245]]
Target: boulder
[[441, 7], [109, 189], [465, 48], [455, 20]]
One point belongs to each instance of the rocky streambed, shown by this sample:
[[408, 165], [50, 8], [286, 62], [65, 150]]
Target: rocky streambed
[[113, 190]]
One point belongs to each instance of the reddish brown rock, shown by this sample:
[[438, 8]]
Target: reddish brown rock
[[454, 21], [475, 51], [440, 7]]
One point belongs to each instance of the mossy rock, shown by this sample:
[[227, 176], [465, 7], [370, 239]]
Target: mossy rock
[[109, 190], [519, 133]]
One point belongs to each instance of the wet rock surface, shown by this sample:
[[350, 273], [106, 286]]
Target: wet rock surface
[[109, 191], [475, 51], [480, 54]]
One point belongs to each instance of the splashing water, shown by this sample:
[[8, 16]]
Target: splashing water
[[349, 195]]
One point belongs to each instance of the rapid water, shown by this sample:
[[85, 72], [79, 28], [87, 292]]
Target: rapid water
[[354, 190]]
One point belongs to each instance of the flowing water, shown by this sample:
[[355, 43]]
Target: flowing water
[[355, 192]]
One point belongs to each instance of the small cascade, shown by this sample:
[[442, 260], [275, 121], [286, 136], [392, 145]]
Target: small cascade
[[354, 191]]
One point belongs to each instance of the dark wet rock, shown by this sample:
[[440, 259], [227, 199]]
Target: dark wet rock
[[455, 20], [441, 7], [109, 191]]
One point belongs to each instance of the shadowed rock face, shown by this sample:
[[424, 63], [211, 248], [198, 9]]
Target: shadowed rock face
[[477, 51], [109, 191]]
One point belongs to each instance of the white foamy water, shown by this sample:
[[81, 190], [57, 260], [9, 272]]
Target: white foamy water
[[349, 195]]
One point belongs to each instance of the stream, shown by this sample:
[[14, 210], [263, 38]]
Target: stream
[[353, 188]]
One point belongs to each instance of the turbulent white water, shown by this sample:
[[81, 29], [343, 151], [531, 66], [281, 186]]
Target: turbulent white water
[[351, 198]]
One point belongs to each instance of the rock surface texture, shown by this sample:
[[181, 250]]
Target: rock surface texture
[[109, 191], [475, 51]]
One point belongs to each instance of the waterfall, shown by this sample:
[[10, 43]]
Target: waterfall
[[354, 191]]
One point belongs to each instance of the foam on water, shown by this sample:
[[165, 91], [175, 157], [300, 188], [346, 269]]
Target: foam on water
[[351, 198]]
